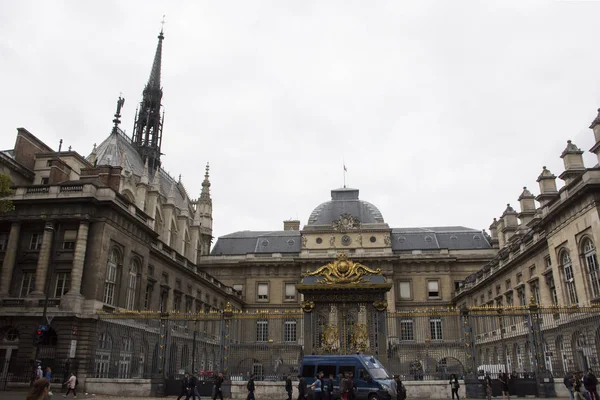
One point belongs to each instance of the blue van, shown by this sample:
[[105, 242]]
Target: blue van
[[372, 381]]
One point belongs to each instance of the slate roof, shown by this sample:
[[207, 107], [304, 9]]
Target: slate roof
[[258, 242], [403, 239], [345, 201], [117, 147]]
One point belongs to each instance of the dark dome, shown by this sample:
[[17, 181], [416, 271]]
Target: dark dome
[[345, 201]]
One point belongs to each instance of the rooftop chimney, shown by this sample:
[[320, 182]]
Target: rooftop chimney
[[291, 225]]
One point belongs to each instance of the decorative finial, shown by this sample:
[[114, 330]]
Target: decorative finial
[[94, 149], [179, 178], [117, 120], [206, 170], [59, 145], [162, 25], [69, 148]]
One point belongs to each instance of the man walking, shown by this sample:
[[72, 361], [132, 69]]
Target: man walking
[[288, 386], [302, 391], [251, 388], [218, 386]]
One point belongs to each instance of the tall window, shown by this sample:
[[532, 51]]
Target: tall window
[[110, 281], [148, 297], [552, 289], [103, 355], [132, 283], [591, 263], [36, 241], [262, 330], [521, 295], [69, 239], [290, 291], [433, 289], [289, 332], [263, 291], [406, 329], [435, 325], [125, 358], [63, 281], [535, 290], [567, 266], [27, 284], [404, 288]]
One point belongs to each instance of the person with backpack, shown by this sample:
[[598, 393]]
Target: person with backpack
[[454, 385], [71, 384], [251, 388], [400, 389]]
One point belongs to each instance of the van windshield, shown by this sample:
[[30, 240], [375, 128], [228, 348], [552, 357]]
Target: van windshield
[[379, 373]]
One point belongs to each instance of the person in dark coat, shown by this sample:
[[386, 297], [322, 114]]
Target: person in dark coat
[[185, 385], [251, 388], [454, 386], [329, 387], [218, 386], [590, 382], [288, 386], [503, 378], [302, 390], [568, 382]]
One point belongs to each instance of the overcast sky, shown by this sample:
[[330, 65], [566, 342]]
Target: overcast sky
[[441, 110]]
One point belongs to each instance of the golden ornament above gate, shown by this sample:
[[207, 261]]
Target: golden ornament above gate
[[343, 270]]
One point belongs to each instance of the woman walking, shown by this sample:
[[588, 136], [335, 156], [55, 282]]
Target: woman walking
[[454, 385], [71, 384], [504, 382]]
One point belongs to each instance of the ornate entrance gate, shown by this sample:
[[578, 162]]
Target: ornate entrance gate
[[344, 309]]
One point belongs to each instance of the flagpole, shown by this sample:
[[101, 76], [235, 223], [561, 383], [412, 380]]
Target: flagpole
[[344, 166]]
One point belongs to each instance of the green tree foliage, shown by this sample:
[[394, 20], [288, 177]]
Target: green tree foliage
[[6, 205]]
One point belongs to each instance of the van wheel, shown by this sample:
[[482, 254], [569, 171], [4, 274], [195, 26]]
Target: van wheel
[[373, 397]]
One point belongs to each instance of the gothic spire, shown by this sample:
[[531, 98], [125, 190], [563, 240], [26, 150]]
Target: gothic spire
[[147, 131], [205, 193]]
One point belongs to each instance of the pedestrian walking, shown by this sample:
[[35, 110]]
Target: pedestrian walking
[[330, 383], [318, 389], [590, 382], [568, 381], [577, 388], [302, 390], [40, 390], [71, 384], [185, 386], [251, 388], [39, 373], [48, 375], [400, 389], [503, 378], [454, 385], [218, 386], [487, 381], [288, 386]]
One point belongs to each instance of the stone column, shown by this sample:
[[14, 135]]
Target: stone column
[[41, 273], [79, 257], [9, 259], [73, 300]]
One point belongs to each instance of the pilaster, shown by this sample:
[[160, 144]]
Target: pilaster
[[73, 299], [41, 273]]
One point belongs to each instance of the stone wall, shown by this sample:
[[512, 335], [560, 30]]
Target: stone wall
[[118, 387]]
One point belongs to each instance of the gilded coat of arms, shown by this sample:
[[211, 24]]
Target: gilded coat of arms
[[343, 270], [329, 338], [346, 222]]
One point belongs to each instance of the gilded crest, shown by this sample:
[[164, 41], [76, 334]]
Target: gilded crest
[[307, 306], [329, 338], [346, 222], [360, 338], [343, 270]]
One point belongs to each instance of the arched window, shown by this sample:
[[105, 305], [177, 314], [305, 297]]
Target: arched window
[[567, 267], [110, 281], [125, 355], [591, 263], [132, 284], [103, 355]]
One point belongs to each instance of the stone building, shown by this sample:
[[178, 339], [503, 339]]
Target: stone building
[[546, 255], [101, 234]]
